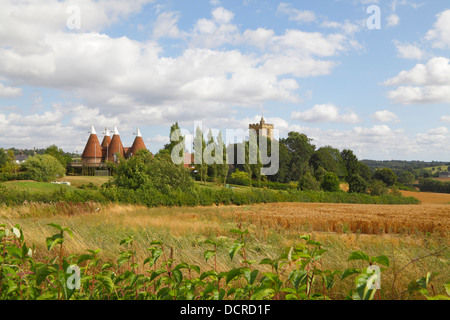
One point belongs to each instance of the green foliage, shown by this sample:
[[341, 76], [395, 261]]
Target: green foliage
[[378, 188], [330, 182], [58, 154], [308, 182], [240, 178], [407, 178], [296, 274], [356, 184], [386, 175], [143, 171], [43, 168], [433, 185], [351, 162]]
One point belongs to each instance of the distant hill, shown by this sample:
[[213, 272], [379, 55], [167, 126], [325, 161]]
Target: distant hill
[[402, 165]]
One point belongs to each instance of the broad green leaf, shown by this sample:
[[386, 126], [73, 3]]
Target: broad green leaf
[[358, 255], [56, 226], [177, 275], [42, 272], [348, 272], [53, 241], [263, 293], [15, 252], [208, 254], [106, 281], [210, 273], [235, 249], [84, 257], [383, 260], [232, 274]]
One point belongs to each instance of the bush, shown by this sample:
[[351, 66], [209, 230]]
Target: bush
[[308, 182], [43, 168], [385, 175], [356, 184], [378, 188], [330, 182]]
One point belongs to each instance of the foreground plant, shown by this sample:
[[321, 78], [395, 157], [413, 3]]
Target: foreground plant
[[297, 274]]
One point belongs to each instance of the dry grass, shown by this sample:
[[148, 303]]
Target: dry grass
[[402, 233]]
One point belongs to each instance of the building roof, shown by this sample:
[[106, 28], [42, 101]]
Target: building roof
[[138, 144], [106, 139], [115, 146], [93, 148]]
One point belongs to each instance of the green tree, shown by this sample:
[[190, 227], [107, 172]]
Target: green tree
[[301, 149], [222, 168], [8, 161], [364, 171], [328, 158], [145, 171], [169, 146], [351, 162], [43, 168], [308, 182], [385, 175], [58, 154], [331, 182], [199, 149], [407, 178], [356, 184]]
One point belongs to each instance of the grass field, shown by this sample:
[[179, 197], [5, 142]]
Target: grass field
[[34, 186], [402, 233], [77, 181]]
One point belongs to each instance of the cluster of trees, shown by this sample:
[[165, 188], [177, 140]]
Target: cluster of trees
[[40, 167]]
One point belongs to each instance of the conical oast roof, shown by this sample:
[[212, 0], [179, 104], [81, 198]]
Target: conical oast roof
[[115, 146], [93, 148], [106, 139], [138, 144]]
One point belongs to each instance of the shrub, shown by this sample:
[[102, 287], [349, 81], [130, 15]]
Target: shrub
[[356, 184], [308, 182], [330, 182], [378, 188], [43, 168], [385, 175]]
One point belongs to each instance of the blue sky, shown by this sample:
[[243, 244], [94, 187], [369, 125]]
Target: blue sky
[[310, 66]]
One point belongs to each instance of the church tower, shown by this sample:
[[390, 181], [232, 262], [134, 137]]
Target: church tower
[[263, 128]]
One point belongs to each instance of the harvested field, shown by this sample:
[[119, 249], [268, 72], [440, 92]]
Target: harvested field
[[429, 197]]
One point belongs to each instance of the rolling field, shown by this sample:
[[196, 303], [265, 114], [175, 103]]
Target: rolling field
[[403, 233]]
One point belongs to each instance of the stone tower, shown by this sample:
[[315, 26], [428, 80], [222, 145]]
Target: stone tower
[[263, 128]]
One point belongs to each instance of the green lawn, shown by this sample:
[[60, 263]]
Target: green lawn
[[77, 181], [34, 186]]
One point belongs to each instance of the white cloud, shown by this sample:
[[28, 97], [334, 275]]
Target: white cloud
[[393, 20], [385, 116], [408, 51], [166, 26], [427, 83], [9, 92], [445, 119], [295, 14], [222, 15], [440, 34], [325, 113]]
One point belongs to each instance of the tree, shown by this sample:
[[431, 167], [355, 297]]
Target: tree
[[301, 149], [145, 171], [199, 148], [356, 184], [407, 178], [330, 182], [364, 171], [385, 175], [58, 154], [308, 182], [222, 168], [328, 158], [351, 162], [7, 161], [169, 146], [43, 168]]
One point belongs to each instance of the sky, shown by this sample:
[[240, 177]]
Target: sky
[[367, 75]]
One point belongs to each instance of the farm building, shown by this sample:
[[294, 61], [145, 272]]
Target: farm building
[[110, 149]]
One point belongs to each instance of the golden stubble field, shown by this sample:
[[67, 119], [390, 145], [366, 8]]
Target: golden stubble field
[[401, 232]]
